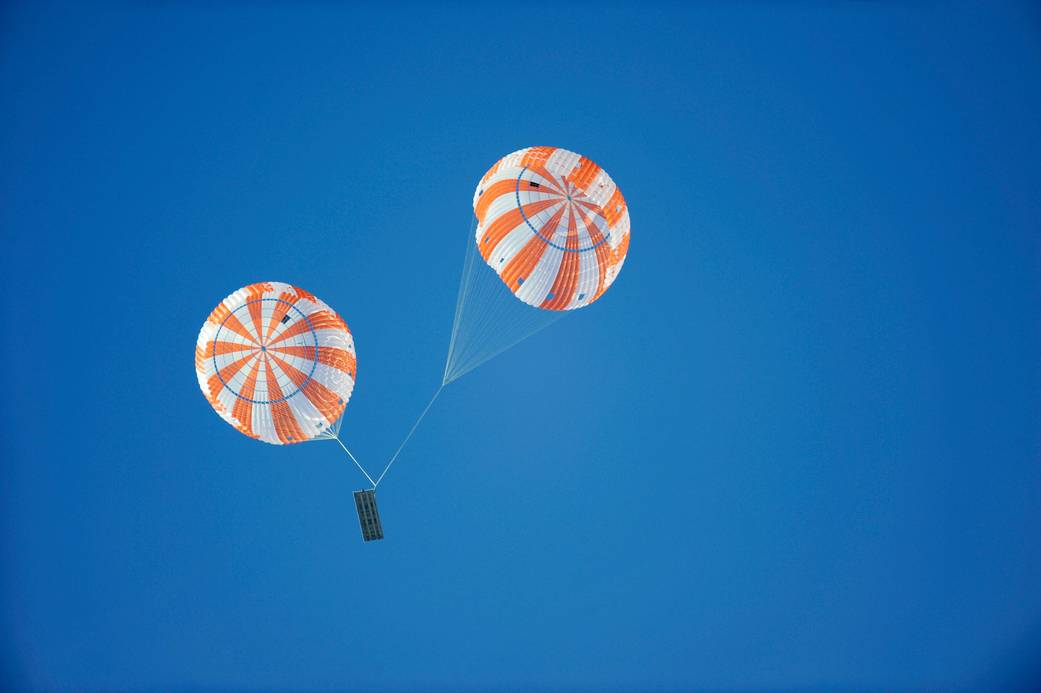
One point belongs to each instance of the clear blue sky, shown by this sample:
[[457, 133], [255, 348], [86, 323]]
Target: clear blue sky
[[798, 443]]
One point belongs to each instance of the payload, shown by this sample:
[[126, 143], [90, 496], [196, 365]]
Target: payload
[[368, 515]]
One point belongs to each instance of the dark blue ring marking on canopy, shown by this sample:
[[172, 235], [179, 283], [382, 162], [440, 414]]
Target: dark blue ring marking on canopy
[[314, 363], [537, 233]]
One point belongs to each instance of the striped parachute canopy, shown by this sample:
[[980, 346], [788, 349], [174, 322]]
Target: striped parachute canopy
[[276, 363], [553, 226]]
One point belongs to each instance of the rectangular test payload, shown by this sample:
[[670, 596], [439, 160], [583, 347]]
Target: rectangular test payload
[[368, 515]]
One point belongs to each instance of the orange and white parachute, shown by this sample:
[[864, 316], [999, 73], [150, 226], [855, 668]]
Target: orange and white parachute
[[276, 363], [553, 226]]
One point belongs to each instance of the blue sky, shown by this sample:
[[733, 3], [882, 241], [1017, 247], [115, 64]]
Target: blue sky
[[796, 444]]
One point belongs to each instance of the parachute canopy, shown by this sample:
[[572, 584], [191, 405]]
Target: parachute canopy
[[276, 363], [553, 226]]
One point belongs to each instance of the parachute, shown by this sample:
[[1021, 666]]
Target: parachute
[[553, 226], [276, 363]]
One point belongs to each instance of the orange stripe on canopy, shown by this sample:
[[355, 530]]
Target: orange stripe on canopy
[[494, 191], [537, 156], [322, 319], [525, 261], [502, 225], [219, 348], [232, 323], [330, 356], [279, 312], [255, 308], [615, 208], [286, 427], [217, 380], [567, 276], [584, 174], [242, 410], [324, 400], [554, 185], [603, 253]]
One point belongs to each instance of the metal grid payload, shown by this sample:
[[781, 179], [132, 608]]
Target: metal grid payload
[[368, 515]]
